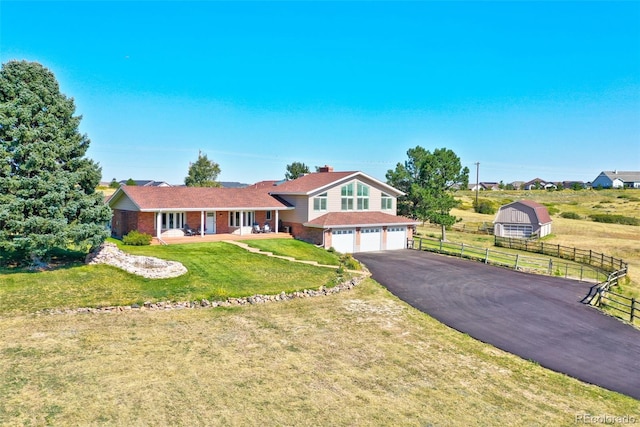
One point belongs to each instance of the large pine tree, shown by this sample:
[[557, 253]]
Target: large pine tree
[[47, 185]]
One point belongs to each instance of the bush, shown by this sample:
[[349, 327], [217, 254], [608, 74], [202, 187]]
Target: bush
[[615, 219], [485, 206], [135, 238], [349, 262], [570, 215]]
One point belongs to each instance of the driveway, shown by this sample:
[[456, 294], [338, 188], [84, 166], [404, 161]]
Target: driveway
[[538, 318]]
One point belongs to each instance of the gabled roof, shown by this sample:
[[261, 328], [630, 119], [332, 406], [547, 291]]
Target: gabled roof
[[541, 212], [153, 199], [146, 183], [314, 182], [624, 176], [358, 219]]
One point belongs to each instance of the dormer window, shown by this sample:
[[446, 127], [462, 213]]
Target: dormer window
[[320, 202]]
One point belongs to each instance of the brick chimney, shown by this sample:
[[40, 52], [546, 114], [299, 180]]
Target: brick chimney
[[325, 168]]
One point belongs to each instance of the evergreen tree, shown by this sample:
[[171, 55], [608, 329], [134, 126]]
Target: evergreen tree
[[47, 185], [203, 173]]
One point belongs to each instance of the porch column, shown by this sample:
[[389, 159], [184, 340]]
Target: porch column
[[201, 223], [241, 221], [158, 224], [276, 226]]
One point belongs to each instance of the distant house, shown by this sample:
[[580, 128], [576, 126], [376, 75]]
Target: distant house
[[522, 219], [569, 185], [617, 179], [146, 183], [539, 184], [482, 186]]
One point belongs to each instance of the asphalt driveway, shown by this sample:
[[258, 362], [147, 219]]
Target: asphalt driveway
[[538, 318]]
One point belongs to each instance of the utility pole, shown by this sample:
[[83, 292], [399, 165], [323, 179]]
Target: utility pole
[[477, 182]]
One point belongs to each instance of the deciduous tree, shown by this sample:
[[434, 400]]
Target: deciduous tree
[[47, 185], [427, 179], [203, 173], [296, 170]]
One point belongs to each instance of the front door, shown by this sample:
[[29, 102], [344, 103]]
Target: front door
[[211, 223]]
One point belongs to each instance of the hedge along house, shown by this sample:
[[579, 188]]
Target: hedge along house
[[349, 211], [522, 219], [167, 211]]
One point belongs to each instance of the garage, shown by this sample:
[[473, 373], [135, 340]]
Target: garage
[[370, 239], [396, 238], [343, 240]]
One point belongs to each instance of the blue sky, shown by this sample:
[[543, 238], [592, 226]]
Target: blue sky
[[528, 89]]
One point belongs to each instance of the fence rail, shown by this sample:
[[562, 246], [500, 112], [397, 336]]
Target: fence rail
[[583, 268], [549, 266], [595, 259]]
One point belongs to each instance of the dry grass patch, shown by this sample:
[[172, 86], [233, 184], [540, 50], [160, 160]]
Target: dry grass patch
[[357, 358]]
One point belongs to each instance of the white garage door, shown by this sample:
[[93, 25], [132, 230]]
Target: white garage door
[[343, 240], [370, 239], [517, 231], [396, 238]]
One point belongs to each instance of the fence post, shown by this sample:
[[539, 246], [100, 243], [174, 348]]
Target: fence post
[[566, 271], [486, 256], [517, 259], [461, 250], [581, 270], [420, 244], [550, 266], [633, 309], [574, 253], [541, 247], [440, 245]]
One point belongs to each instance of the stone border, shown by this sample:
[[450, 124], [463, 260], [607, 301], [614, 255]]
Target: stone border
[[145, 266], [229, 302]]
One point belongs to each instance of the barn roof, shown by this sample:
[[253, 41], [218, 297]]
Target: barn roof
[[540, 211]]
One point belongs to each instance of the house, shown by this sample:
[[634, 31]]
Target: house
[[522, 219], [349, 211], [573, 185], [483, 186], [617, 179], [146, 183], [539, 184]]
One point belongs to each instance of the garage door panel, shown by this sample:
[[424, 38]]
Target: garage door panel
[[370, 239], [396, 238], [343, 240]]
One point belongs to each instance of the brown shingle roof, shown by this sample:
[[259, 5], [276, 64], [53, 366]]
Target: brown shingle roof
[[358, 219], [197, 198], [310, 182]]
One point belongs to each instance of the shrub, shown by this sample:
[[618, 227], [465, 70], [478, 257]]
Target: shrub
[[485, 206], [349, 262], [570, 215], [135, 238], [615, 219]]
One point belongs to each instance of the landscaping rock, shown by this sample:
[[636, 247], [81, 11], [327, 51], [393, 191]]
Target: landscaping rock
[[148, 267]]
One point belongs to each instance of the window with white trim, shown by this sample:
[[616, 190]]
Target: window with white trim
[[320, 202], [363, 197], [347, 197], [387, 202], [247, 218], [268, 216], [172, 220]]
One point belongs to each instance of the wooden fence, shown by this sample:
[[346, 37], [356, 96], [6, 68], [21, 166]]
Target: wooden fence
[[549, 266], [582, 256], [588, 265]]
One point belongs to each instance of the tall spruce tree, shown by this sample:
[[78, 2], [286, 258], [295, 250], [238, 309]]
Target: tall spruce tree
[[47, 185]]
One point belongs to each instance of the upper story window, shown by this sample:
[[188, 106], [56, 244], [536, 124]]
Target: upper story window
[[320, 202], [363, 197], [387, 202], [347, 197]]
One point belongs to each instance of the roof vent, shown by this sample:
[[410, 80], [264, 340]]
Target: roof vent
[[325, 168]]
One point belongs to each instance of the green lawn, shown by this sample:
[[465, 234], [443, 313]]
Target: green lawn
[[215, 271], [296, 249]]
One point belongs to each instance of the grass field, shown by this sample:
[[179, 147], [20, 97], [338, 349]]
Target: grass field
[[356, 358]]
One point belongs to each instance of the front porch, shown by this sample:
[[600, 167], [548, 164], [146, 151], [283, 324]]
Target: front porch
[[179, 240]]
